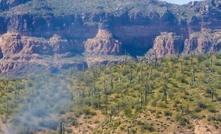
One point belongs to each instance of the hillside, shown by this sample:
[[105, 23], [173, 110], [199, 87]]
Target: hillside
[[166, 95], [52, 35]]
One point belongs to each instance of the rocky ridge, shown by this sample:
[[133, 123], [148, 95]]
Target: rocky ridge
[[60, 35]]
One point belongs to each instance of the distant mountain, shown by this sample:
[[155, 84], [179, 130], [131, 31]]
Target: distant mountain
[[55, 34]]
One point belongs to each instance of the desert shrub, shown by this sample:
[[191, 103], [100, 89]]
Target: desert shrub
[[209, 118], [148, 126], [218, 117], [167, 113], [73, 121], [217, 63], [201, 104], [207, 64], [186, 57], [201, 57], [128, 112], [51, 124], [155, 75], [125, 72], [154, 103], [107, 71], [209, 90], [140, 123], [173, 58], [218, 55], [198, 109], [189, 126], [162, 105], [68, 130], [194, 116], [218, 98], [212, 109]]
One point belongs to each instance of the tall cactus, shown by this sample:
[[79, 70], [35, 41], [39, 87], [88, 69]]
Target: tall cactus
[[181, 65], [141, 69], [212, 94], [6, 85], [193, 74], [155, 61], [149, 89], [6, 108], [105, 93], [150, 73], [192, 79], [111, 81], [130, 75], [191, 59], [165, 91], [219, 78], [125, 57], [145, 95], [61, 128], [98, 101], [111, 113], [140, 100], [94, 91]]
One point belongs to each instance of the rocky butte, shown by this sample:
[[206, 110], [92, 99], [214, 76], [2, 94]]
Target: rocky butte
[[59, 34]]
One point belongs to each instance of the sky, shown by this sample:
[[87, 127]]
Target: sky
[[180, 1]]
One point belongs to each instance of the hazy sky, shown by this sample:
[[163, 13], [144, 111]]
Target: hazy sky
[[180, 1]]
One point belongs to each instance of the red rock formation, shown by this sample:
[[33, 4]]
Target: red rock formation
[[103, 43], [44, 33], [167, 43]]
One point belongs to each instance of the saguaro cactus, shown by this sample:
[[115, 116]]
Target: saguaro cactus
[[98, 101], [193, 74], [212, 94], [118, 107], [111, 113], [165, 91], [150, 72], [141, 69], [130, 75], [61, 128], [145, 95], [155, 61], [111, 81], [181, 66], [140, 100]]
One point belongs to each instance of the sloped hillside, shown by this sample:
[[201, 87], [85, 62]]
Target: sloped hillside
[[167, 95]]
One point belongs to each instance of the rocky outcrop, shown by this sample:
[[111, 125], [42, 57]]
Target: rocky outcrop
[[61, 34], [200, 42], [203, 42], [103, 43], [6, 4], [168, 43]]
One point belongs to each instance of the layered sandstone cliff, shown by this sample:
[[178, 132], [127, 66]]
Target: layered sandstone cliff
[[62, 34], [103, 43]]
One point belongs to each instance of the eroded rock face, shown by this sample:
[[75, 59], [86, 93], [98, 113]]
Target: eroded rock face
[[49, 35], [6, 4], [168, 43], [103, 43], [10, 44], [201, 42]]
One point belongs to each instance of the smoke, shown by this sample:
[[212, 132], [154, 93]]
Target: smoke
[[42, 102]]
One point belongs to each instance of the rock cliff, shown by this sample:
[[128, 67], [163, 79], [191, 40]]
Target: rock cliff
[[61, 34]]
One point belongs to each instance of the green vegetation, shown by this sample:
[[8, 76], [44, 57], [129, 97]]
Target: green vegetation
[[134, 97], [114, 7]]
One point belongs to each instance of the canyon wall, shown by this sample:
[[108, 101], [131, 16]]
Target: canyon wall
[[67, 38]]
